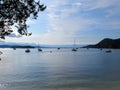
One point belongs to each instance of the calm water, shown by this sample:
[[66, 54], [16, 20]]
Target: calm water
[[60, 70]]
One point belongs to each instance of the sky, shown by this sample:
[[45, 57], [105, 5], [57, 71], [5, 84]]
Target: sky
[[85, 21]]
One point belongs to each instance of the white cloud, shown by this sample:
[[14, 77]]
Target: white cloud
[[78, 4], [63, 24], [13, 35], [30, 21], [114, 25], [66, 20], [96, 4], [23, 39]]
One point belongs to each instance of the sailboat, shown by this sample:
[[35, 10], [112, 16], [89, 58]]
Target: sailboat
[[74, 49], [39, 49]]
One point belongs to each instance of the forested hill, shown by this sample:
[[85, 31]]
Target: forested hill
[[106, 43]]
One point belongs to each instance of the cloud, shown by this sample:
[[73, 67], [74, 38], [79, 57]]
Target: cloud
[[13, 35], [98, 4], [81, 19], [30, 21], [72, 17], [62, 26], [65, 21], [62, 18], [78, 4]]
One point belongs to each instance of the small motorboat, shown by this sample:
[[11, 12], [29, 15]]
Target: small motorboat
[[27, 50], [108, 51], [39, 49], [58, 48], [14, 48]]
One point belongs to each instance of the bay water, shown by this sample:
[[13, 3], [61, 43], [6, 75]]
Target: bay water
[[53, 69]]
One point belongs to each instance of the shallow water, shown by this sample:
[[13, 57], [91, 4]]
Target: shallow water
[[62, 69]]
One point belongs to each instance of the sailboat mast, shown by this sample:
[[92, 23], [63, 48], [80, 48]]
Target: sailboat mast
[[74, 49], [74, 42]]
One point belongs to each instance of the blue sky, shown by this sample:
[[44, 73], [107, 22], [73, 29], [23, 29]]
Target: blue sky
[[86, 21]]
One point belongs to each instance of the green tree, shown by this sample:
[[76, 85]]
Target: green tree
[[17, 12]]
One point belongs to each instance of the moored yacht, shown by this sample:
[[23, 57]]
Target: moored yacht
[[108, 51], [27, 50], [39, 49], [74, 49]]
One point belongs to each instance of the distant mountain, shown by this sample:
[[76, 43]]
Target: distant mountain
[[106, 43], [34, 45], [16, 46]]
